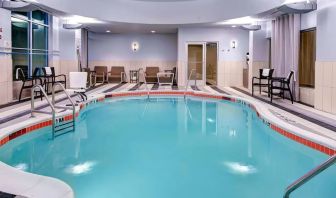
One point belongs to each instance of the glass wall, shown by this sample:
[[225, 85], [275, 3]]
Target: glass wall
[[29, 41]]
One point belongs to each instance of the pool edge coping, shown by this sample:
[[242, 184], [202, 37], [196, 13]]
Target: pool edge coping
[[297, 134]]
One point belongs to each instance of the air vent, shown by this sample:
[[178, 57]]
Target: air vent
[[72, 26], [251, 27], [298, 8], [12, 5]]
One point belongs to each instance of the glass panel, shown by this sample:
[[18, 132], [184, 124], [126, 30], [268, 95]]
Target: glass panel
[[25, 15], [39, 59], [40, 17], [40, 35], [195, 60], [20, 60], [211, 63], [19, 33]]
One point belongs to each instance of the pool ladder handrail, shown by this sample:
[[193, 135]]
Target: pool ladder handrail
[[52, 105], [308, 176], [189, 78], [145, 81]]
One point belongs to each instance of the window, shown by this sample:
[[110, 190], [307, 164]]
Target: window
[[307, 58], [29, 41]]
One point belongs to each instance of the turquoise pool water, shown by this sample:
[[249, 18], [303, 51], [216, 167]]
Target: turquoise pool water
[[165, 148]]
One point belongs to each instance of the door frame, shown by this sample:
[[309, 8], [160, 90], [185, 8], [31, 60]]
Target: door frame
[[198, 82], [204, 43]]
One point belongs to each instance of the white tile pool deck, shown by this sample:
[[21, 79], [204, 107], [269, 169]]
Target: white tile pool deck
[[16, 116]]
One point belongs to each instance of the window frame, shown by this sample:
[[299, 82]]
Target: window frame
[[30, 50]]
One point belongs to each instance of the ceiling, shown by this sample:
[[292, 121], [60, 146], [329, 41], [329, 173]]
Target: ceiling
[[162, 11], [144, 16]]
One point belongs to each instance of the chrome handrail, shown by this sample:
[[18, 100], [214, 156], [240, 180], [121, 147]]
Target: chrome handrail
[[32, 102], [73, 105], [186, 88], [308, 176], [145, 82]]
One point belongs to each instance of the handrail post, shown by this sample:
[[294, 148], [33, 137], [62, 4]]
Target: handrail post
[[186, 88], [145, 81], [32, 109], [308, 176]]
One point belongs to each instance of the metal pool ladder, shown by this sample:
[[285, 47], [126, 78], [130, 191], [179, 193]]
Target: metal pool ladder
[[59, 127], [145, 81], [186, 88], [311, 174]]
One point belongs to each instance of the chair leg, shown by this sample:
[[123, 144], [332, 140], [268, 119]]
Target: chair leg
[[21, 91], [260, 86], [290, 93]]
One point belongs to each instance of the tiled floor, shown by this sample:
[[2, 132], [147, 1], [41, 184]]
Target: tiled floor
[[297, 114]]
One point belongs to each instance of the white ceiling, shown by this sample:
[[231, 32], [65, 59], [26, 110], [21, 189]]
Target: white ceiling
[[162, 11]]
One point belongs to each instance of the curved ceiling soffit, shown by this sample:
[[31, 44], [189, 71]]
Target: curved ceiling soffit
[[162, 11]]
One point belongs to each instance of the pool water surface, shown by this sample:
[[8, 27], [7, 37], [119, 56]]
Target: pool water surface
[[171, 147]]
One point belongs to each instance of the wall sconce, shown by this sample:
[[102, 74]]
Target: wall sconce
[[135, 46], [233, 44]]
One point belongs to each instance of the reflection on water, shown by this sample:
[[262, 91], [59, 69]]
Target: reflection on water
[[241, 169], [81, 168]]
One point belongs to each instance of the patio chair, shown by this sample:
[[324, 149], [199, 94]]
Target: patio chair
[[78, 82], [151, 74], [117, 74], [264, 75], [50, 78], [282, 85], [99, 72], [28, 83]]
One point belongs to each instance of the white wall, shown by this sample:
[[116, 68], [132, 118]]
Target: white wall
[[6, 93], [230, 61], [259, 51], [116, 50], [325, 68], [104, 47], [308, 20]]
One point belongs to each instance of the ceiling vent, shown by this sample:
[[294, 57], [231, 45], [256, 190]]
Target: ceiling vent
[[251, 27], [298, 7], [72, 26], [13, 4]]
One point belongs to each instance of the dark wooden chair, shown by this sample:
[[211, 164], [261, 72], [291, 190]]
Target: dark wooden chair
[[265, 76], [151, 74], [50, 78], [28, 83], [282, 84], [99, 72], [117, 74]]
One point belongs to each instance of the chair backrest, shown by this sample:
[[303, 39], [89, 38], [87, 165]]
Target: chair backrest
[[36, 72], [18, 75], [78, 80], [116, 70], [48, 71], [289, 77], [265, 73], [100, 69], [152, 71]]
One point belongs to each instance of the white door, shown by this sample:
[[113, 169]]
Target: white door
[[196, 63]]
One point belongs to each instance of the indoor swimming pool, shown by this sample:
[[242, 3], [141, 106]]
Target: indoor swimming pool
[[170, 147]]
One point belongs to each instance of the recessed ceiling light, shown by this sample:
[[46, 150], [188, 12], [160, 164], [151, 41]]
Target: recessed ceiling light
[[153, 31], [108, 31], [234, 26]]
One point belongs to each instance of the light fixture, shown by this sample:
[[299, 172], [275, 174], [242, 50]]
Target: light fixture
[[108, 31], [233, 44], [234, 26], [135, 46], [76, 19], [153, 31]]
